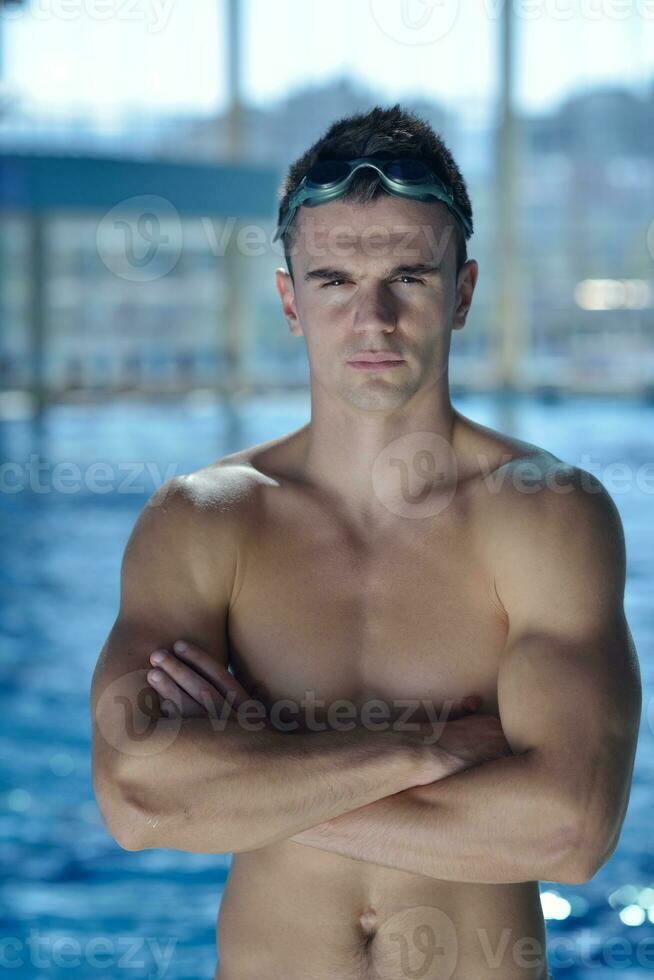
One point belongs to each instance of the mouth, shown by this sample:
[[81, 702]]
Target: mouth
[[376, 362], [374, 365]]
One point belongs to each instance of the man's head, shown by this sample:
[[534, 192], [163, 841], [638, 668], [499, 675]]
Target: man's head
[[393, 132], [404, 280]]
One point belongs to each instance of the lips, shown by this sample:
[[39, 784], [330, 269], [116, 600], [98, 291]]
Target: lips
[[375, 358]]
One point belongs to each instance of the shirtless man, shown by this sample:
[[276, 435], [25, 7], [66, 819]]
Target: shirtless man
[[344, 592]]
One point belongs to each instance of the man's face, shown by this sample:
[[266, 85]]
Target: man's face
[[376, 277]]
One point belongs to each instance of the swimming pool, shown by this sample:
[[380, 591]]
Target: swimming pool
[[73, 902]]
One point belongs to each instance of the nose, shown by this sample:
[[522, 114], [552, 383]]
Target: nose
[[375, 310]]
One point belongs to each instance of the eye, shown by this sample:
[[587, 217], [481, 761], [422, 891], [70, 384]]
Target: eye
[[411, 278]]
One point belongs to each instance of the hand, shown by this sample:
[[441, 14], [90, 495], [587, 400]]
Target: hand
[[470, 740], [466, 706], [192, 684]]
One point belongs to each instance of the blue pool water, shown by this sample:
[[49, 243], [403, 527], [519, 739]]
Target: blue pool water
[[72, 903]]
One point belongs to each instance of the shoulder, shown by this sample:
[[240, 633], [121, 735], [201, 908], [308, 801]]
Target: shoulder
[[556, 539], [192, 512], [225, 486], [221, 498], [187, 538], [221, 487], [541, 493]]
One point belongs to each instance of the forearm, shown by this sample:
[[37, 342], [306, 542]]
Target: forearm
[[237, 789], [499, 822]]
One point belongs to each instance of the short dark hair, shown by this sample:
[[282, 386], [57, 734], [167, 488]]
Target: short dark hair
[[380, 130]]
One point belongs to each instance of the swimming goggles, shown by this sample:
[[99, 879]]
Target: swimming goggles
[[329, 179]]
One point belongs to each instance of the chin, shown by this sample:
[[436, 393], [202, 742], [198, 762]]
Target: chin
[[375, 399]]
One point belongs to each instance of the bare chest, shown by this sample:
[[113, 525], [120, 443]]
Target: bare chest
[[320, 620]]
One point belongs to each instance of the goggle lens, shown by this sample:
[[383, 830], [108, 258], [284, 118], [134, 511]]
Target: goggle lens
[[327, 172], [407, 170]]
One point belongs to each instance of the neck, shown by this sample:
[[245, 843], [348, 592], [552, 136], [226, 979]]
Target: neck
[[371, 462]]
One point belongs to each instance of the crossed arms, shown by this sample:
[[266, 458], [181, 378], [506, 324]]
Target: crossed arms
[[569, 701]]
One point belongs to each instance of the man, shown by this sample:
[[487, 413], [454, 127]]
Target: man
[[408, 689]]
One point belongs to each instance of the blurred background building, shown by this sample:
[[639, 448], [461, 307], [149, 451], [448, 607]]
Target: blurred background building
[[562, 190]]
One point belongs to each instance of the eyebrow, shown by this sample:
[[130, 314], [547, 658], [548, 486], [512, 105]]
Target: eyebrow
[[420, 268]]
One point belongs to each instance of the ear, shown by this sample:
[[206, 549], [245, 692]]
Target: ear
[[466, 282], [286, 291]]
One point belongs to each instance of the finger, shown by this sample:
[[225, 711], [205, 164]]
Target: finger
[[209, 667], [169, 691], [458, 709], [195, 684]]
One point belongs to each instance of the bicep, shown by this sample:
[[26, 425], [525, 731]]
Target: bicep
[[569, 686], [567, 697], [575, 706], [174, 584]]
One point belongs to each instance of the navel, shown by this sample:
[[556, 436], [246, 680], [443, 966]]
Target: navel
[[369, 921]]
